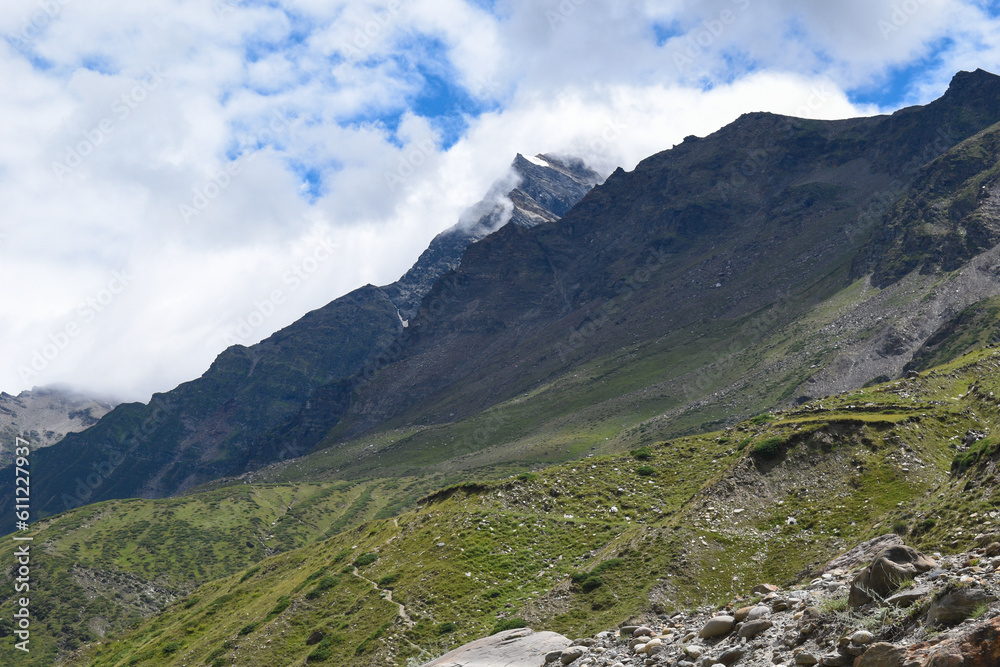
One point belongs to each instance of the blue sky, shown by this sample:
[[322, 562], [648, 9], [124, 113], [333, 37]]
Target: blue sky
[[206, 148]]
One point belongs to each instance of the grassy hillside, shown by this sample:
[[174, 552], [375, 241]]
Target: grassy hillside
[[106, 566], [581, 546]]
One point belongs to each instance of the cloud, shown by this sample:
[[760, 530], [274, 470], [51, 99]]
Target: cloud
[[211, 151]]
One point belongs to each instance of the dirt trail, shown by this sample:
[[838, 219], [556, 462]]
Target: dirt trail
[[386, 594]]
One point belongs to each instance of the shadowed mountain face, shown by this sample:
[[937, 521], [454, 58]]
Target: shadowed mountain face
[[726, 238], [224, 422]]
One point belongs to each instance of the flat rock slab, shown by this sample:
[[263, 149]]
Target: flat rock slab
[[511, 648]]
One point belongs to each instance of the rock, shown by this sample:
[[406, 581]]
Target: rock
[[741, 614], [751, 629], [908, 597], [586, 641], [956, 604], [992, 549], [511, 648], [881, 655], [779, 605], [763, 589], [552, 656], [862, 638], [731, 656], [569, 655], [693, 651], [864, 553], [643, 631], [805, 658], [889, 568], [836, 660], [717, 627], [977, 647], [759, 611], [627, 630]]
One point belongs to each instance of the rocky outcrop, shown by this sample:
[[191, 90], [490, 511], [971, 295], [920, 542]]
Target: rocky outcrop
[[512, 648], [890, 568], [44, 415]]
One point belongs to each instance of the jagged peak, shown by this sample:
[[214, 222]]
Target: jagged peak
[[967, 87]]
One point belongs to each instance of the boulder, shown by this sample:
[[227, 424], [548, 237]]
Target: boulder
[[889, 568], [717, 627], [864, 553], [908, 597], [513, 648], [751, 629], [881, 655], [956, 604]]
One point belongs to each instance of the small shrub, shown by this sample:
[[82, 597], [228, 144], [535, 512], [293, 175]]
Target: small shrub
[[593, 582], [445, 628], [768, 449], [365, 559], [283, 603], [603, 600], [646, 471], [743, 444], [324, 584], [527, 477], [642, 453], [509, 624], [249, 573], [762, 419], [171, 648], [388, 580], [322, 652], [247, 629], [190, 602]]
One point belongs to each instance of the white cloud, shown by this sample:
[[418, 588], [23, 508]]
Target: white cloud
[[202, 146]]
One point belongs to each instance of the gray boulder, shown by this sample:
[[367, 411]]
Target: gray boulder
[[513, 648], [889, 569], [956, 604]]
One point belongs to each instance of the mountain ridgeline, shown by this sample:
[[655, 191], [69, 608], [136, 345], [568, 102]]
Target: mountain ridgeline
[[591, 400], [775, 260], [255, 404]]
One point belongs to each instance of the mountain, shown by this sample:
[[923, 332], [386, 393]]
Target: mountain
[[754, 352], [44, 415], [544, 188], [217, 425], [751, 268]]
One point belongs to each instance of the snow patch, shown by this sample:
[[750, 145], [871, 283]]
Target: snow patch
[[538, 159]]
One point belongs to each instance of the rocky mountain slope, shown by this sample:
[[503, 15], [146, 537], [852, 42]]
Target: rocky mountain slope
[[220, 423], [681, 527], [765, 264], [44, 415]]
